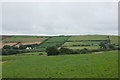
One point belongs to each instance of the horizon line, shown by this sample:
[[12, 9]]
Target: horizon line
[[55, 34]]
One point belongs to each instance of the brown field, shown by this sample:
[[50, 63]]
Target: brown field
[[23, 43], [3, 44], [0, 45], [17, 40]]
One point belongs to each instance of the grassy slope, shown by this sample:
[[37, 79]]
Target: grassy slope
[[99, 65]]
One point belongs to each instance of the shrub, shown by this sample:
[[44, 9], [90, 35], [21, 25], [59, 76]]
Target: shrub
[[9, 51], [52, 51], [40, 53], [76, 51], [22, 47], [95, 50], [7, 47], [66, 51], [111, 46], [84, 51]]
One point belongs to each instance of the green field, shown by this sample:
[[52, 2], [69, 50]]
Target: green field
[[88, 41], [87, 37], [53, 41], [95, 65], [115, 39], [58, 39], [71, 44]]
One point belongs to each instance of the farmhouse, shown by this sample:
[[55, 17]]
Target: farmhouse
[[30, 46]]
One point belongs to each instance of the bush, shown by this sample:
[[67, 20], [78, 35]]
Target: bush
[[111, 46], [22, 47], [52, 51], [9, 51], [84, 51], [95, 50], [62, 51], [77, 52], [40, 53], [68, 51], [7, 47], [65, 51]]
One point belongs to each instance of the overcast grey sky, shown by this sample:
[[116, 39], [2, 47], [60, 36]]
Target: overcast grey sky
[[60, 18]]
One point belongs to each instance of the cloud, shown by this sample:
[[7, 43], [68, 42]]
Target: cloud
[[60, 18]]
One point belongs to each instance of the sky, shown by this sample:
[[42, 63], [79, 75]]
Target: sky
[[59, 18]]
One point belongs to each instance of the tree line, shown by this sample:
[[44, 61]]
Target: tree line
[[9, 50]]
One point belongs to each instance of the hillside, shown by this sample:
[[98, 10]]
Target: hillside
[[95, 65], [72, 42]]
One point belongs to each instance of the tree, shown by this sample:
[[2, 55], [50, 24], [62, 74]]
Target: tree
[[108, 39], [103, 45], [7, 47], [111, 46], [84, 51], [52, 51], [22, 47], [65, 51], [106, 45], [13, 47]]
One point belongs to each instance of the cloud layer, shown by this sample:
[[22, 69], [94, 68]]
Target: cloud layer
[[60, 18]]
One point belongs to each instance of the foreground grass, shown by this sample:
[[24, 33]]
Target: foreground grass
[[99, 65]]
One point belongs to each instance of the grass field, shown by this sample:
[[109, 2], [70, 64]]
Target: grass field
[[76, 42], [80, 43], [58, 39], [72, 42], [95, 65], [53, 41], [87, 37], [115, 39]]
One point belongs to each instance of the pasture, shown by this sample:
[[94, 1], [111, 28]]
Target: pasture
[[115, 39], [71, 44], [53, 41], [90, 42], [95, 65], [87, 37]]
